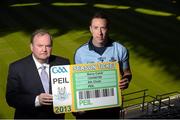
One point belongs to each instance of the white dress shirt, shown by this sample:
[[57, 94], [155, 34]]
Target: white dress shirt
[[38, 66]]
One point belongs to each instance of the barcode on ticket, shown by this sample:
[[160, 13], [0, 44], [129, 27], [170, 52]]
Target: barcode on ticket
[[87, 94]]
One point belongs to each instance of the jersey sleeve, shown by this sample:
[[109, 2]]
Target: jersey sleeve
[[77, 58], [125, 59]]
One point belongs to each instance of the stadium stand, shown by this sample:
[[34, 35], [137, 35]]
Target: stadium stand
[[164, 106]]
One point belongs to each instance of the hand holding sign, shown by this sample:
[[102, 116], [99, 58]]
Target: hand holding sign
[[84, 87]]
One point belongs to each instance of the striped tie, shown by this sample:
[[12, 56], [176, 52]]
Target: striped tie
[[44, 79]]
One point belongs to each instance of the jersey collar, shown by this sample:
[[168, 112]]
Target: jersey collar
[[91, 46]]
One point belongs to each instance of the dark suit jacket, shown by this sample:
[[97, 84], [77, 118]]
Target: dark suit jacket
[[24, 84]]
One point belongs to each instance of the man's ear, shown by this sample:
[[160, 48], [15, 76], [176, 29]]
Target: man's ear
[[31, 47], [90, 29]]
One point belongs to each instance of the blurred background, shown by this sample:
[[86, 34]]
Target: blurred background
[[148, 28]]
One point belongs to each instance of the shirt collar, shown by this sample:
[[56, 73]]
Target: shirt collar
[[38, 64], [92, 47]]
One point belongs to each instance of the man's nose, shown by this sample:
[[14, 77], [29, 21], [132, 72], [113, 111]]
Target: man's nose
[[44, 48], [100, 31]]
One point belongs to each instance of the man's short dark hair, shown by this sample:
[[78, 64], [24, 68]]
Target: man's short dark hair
[[102, 16], [41, 32]]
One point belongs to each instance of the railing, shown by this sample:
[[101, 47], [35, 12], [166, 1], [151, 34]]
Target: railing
[[164, 106], [161, 97], [142, 96], [156, 104]]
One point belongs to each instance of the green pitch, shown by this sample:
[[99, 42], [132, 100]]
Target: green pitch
[[153, 46]]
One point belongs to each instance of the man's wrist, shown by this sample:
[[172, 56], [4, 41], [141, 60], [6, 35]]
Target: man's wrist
[[37, 103], [128, 77]]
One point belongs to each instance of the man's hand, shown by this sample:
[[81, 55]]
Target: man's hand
[[126, 78], [45, 99], [124, 83]]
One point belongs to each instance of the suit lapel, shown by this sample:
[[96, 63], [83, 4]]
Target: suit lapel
[[35, 75]]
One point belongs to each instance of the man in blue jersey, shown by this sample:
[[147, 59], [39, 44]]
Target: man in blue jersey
[[100, 48]]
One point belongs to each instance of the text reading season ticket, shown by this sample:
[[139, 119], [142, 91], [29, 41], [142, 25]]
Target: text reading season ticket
[[82, 87]]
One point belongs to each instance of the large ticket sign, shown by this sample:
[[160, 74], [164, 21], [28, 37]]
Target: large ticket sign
[[82, 87]]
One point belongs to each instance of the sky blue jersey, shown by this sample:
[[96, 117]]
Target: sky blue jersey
[[113, 52]]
